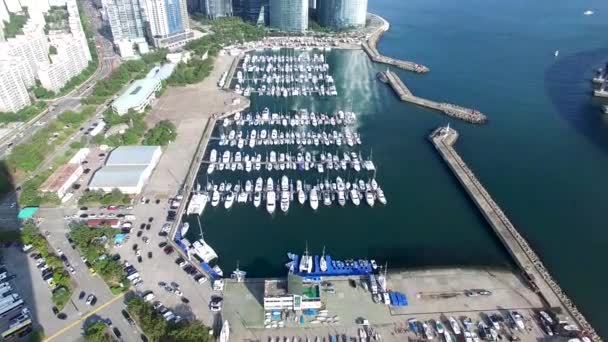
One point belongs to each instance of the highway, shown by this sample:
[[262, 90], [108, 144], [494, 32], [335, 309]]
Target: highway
[[108, 61]]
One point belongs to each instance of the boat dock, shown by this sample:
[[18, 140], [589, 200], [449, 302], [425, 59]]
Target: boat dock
[[369, 46], [530, 264], [458, 112]]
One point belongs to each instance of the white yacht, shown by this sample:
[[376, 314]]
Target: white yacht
[[284, 201], [369, 198], [306, 262], [354, 196], [226, 157], [213, 156], [284, 183], [381, 197], [215, 198], [257, 199], [455, 326], [197, 203], [229, 200], [270, 201], [248, 186], [323, 262], [259, 184], [314, 198], [210, 168], [341, 198], [374, 184], [301, 197], [242, 197]]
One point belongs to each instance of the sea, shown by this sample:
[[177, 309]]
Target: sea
[[543, 155]]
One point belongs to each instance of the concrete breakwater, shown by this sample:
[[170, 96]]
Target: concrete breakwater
[[369, 46], [458, 112], [532, 267]]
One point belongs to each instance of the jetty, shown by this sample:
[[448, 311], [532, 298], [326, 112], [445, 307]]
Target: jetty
[[532, 268], [369, 46], [452, 110]]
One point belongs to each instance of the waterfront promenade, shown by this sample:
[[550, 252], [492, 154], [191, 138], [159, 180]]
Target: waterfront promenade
[[533, 269], [452, 110]]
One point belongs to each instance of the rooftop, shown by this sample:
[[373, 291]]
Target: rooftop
[[132, 155], [275, 288], [59, 177], [137, 93], [117, 176]]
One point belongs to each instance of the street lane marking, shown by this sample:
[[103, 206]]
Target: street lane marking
[[103, 306]]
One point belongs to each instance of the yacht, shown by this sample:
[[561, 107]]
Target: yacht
[[301, 196], [226, 157], [257, 199], [341, 198], [314, 199], [229, 200], [374, 184], [517, 319], [284, 201], [213, 156], [306, 262], [270, 202], [184, 230], [455, 326], [326, 198], [215, 198], [381, 197], [248, 186], [354, 196], [323, 262], [284, 183], [197, 203], [259, 184], [211, 168], [369, 198]]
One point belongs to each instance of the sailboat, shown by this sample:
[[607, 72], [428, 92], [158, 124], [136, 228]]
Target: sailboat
[[323, 262], [306, 262]]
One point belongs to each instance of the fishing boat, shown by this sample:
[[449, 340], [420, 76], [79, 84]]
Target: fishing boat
[[257, 199], [323, 262], [270, 202], [314, 199], [225, 333]]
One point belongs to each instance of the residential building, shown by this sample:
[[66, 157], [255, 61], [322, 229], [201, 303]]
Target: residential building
[[289, 15], [217, 8], [13, 93], [13, 6], [168, 25], [127, 169], [125, 19], [62, 179], [70, 60], [342, 14]]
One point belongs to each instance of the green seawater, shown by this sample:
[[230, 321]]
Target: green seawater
[[543, 154]]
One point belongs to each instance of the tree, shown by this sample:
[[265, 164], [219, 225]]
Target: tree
[[96, 332], [193, 331], [161, 134]]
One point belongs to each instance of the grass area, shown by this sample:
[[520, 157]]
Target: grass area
[[15, 24], [100, 198], [57, 18], [91, 243], [28, 156], [158, 329], [24, 114]]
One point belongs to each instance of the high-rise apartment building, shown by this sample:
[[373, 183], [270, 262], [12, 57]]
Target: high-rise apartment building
[[125, 19], [168, 22], [289, 15], [341, 14], [13, 93], [217, 8]]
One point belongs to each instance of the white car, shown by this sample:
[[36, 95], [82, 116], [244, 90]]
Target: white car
[[178, 292], [72, 270]]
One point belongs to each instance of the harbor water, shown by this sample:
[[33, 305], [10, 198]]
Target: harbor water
[[543, 155]]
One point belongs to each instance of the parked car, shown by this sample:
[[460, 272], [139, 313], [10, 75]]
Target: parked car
[[91, 300], [168, 250], [81, 295]]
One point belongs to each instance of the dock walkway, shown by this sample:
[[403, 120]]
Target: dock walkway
[[458, 112], [539, 278], [369, 46]]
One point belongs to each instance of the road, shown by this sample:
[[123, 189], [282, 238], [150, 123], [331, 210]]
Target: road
[[108, 60]]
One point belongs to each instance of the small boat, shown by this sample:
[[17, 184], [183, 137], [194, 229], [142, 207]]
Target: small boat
[[213, 156], [211, 168], [341, 198], [284, 201], [215, 198], [248, 186], [588, 12], [380, 195], [354, 196], [556, 53], [369, 198], [259, 184], [301, 197]]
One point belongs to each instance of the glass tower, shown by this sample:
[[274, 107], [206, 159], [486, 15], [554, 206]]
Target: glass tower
[[341, 14], [289, 15]]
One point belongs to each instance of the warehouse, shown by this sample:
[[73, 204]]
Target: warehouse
[[127, 169]]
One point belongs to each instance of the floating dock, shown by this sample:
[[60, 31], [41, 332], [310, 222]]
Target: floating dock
[[532, 268], [335, 268], [369, 46], [458, 112]]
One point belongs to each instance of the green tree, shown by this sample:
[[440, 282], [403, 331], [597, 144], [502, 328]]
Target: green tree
[[97, 332], [161, 134]]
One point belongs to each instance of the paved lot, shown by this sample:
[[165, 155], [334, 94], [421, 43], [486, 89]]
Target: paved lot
[[8, 211], [243, 305]]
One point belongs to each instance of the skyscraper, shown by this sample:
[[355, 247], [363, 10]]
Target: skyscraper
[[217, 8], [289, 15], [341, 14], [168, 22], [125, 18]]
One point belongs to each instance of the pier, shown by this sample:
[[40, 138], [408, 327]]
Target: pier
[[458, 112], [530, 264], [369, 46]]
